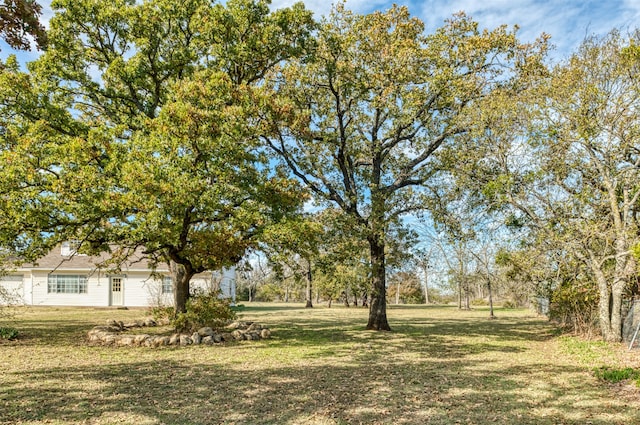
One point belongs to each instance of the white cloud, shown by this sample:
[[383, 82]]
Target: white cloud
[[567, 21], [323, 7]]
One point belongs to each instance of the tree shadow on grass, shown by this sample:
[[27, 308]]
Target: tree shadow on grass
[[172, 392], [428, 371], [431, 337]]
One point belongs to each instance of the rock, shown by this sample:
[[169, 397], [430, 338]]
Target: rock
[[140, 339], [239, 325], [149, 322], [124, 341], [109, 339], [111, 334], [206, 331], [238, 335], [254, 327]]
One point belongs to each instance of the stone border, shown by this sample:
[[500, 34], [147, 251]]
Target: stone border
[[114, 334]]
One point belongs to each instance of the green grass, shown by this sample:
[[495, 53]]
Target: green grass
[[438, 366], [617, 375]]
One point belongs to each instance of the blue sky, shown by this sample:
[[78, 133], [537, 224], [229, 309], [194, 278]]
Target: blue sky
[[567, 21]]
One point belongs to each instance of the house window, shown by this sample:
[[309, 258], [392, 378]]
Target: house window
[[66, 284], [167, 285]]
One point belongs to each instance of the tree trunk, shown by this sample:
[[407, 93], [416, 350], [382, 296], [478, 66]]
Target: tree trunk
[[181, 291], [398, 293], [309, 304], [426, 284], [491, 315], [609, 307], [616, 312], [459, 296], [467, 305], [378, 310]]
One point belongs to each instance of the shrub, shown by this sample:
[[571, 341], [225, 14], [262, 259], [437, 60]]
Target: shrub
[[162, 314], [616, 375], [269, 292], [509, 304], [204, 309], [8, 333], [574, 306]]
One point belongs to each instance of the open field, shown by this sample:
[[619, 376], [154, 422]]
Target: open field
[[439, 366]]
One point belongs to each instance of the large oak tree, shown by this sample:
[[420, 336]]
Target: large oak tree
[[137, 128], [378, 100]]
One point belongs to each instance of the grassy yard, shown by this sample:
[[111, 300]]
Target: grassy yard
[[439, 366]]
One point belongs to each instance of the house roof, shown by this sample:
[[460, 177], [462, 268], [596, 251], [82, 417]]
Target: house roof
[[55, 260]]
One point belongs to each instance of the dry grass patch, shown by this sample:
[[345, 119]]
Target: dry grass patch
[[438, 366]]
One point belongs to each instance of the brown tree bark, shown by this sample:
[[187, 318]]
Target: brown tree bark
[[378, 310], [181, 276], [309, 294]]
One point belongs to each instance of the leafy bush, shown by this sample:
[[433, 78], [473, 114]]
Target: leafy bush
[[616, 375], [509, 304], [8, 333], [162, 314], [204, 309], [574, 306], [270, 292]]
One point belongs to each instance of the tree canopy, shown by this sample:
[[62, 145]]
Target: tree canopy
[[138, 127], [564, 165], [19, 24], [197, 130], [377, 101]]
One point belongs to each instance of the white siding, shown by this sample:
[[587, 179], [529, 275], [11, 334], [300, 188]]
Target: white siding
[[140, 289], [228, 283], [13, 289], [97, 290]]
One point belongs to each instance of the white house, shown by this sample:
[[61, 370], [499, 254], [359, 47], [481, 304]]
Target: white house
[[65, 278]]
